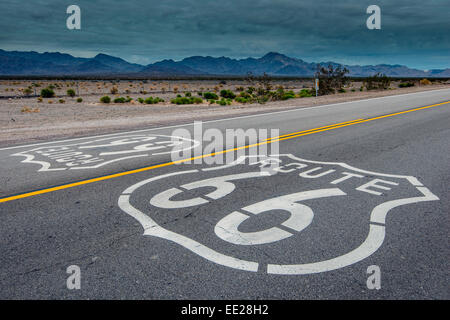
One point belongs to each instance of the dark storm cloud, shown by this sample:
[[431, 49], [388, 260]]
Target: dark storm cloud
[[413, 33]]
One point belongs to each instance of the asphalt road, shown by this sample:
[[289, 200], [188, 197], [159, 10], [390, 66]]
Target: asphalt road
[[305, 222]]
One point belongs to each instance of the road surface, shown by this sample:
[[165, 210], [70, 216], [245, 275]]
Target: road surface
[[353, 185]]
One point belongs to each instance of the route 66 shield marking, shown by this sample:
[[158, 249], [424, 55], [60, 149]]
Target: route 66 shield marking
[[101, 152], [226, 240]]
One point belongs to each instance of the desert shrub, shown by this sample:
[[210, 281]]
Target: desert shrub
[[114, 90], [305, 93], [262, 99], [151, 100], [353, 90], [331, 79], [62, 101], [264, 83], [377, 81], [250, 90], [186, 100], [51, 87], [71, 93], [27, 91], [39, 99], [140, 100], [288, 95], [47, 93], [105, 99], [79, 100], [342, 90], [406, 84], [242, 100], [239, 89], [224, 102], [279, 94], [119, 100], [425, 82], [27, 109], [210, 96], [188, 94], [228, 94]]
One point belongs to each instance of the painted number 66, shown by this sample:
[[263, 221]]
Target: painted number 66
[[227, 229]]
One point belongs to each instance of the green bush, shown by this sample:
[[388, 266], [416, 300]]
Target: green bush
[[27, 91], [105, 99], [228, 94], [288, 95], [79, 100], [119, 100], [186, 100], [187, 94], [306, 93], [47, 93], [222, 102], [71, 93], [152, 100], [242, 100], [140, 100], [406, 84], [210, 96], [245, 95]]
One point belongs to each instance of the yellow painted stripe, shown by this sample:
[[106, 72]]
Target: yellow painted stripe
[[276, 139], [294, 133]]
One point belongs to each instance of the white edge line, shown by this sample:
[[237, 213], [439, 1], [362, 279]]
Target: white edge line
[[217, 120]]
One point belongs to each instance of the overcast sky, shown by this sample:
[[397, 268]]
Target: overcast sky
[[414, 33]]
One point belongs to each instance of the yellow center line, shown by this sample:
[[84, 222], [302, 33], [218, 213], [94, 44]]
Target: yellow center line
[[267, 141], [295, 133]]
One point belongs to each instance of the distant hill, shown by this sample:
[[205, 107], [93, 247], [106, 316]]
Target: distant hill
[[59, 64]]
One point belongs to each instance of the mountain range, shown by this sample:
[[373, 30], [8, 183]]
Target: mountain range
[[18, 63]]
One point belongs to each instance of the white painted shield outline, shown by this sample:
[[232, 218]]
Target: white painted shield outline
[[371, 244], [47, 166]]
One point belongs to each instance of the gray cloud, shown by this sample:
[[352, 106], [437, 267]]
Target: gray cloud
[[413, 33]]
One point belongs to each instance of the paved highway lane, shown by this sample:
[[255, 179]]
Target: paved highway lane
[[332, 204]]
